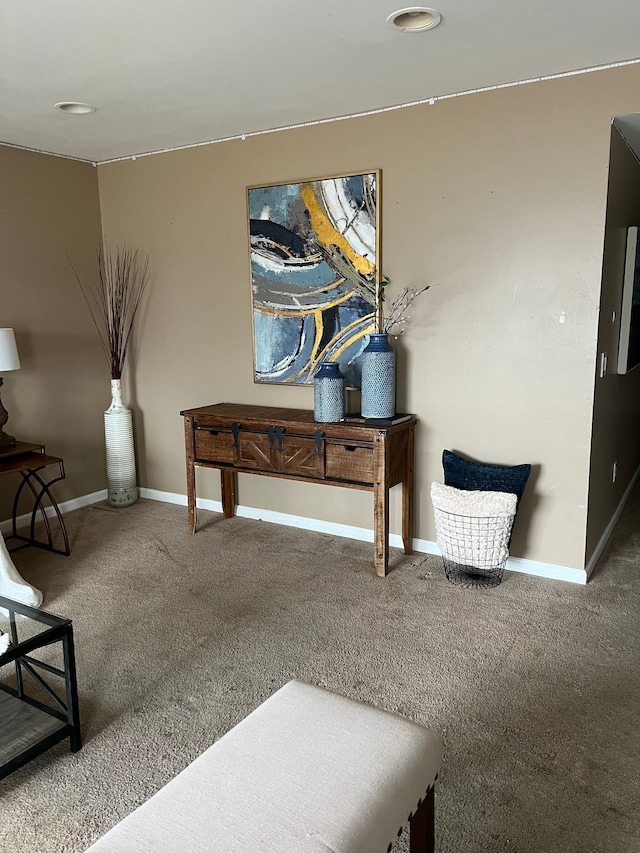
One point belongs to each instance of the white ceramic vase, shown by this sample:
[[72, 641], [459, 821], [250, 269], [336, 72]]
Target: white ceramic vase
[[121, 460]]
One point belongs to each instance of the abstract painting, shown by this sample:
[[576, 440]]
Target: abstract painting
[[314, 248]]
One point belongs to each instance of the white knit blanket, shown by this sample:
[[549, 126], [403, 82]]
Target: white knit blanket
[[473, 528], [477, 504]]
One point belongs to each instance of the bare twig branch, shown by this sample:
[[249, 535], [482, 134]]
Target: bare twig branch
[[113, 299], [397, 317]]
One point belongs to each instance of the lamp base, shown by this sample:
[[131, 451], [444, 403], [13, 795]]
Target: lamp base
[[6, 440]]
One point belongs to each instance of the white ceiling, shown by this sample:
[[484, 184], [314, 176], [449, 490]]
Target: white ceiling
[[164, 75]]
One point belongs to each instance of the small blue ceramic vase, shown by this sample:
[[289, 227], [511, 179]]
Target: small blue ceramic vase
[[328, 393]]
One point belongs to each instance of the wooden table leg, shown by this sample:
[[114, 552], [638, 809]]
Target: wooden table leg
[[228, 488], [190, 454], [407, 497], [422, 827], [191, 495], [380, 507]]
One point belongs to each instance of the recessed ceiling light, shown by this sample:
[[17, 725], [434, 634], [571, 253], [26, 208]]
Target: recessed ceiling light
[[75, 108], [415, 19]]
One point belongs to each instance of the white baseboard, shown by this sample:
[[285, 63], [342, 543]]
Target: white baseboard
[[181, 500], [597, 553], [271, 516], [547, 570], [364, 534], [514, 564], [64, 507]]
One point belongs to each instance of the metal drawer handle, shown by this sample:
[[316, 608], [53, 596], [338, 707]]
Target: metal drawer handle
[[235, 429], [276, 432]]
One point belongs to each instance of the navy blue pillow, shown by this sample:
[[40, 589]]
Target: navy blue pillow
[[462, 473]]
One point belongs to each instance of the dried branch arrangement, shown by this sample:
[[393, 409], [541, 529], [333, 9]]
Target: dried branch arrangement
[[113, 299], [398, 315]]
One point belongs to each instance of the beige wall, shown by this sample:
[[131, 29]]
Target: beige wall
[[616, 414], [499, 197], [49, 207]]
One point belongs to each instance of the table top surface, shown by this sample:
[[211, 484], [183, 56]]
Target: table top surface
[[19, 448], [277, 414], [23, 456]]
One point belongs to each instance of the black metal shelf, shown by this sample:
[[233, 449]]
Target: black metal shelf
[[38, 701]]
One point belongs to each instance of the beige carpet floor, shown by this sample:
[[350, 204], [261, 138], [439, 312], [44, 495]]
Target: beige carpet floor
[[533, 685]]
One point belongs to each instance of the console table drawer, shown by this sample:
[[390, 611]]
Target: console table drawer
[[294, 455], [254, 450], [349, 462], [301, 457], [214, 445]]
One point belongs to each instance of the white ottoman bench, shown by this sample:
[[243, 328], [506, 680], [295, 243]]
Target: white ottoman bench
[[306, 771]]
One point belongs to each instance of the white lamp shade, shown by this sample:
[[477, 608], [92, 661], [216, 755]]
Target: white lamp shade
[[9, 358]]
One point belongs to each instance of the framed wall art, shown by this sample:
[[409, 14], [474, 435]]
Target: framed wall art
[[314, 249]]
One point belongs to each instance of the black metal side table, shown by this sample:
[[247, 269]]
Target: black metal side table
[[38, 695], [29, 460]]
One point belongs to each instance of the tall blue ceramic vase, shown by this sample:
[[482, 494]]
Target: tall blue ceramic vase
[[328, 393], [378, 378]]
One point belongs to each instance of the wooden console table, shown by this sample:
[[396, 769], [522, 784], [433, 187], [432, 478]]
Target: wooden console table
[[290, 444], [28, 460]]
